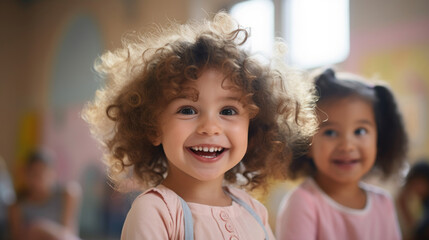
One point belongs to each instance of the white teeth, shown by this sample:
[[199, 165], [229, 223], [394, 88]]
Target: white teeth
[[207, 149]]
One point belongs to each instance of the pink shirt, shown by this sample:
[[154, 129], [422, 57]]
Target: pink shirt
[[158, 214], [308, 213]]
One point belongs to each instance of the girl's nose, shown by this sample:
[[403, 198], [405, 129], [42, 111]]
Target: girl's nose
[[347, 144], [209, 125]]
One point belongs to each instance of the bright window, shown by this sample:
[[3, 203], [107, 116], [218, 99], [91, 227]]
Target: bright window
[[258, 15], [317, 31]]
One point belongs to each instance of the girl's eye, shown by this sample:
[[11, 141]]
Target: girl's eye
[[361, 131], [187, 111], [228, 111], [330, 133]]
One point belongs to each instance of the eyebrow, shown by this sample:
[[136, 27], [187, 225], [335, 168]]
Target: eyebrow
[[362, 121], [366, 122], [226, 98], [326, 123], [234, 98], [237, 99]]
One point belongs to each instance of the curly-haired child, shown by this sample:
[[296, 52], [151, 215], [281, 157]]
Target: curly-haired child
[[360, 131], [189, 113]]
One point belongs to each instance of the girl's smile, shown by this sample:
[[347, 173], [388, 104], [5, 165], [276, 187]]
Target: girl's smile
[[346, 161], [346, 165], [207, 153]]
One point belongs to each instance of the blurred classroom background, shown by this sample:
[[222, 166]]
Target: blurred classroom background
[[47, 50]]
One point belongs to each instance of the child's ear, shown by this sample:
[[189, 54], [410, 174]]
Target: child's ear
[[156, 140]]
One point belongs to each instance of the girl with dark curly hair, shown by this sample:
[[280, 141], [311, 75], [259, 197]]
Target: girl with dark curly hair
[[360, 130], [188, 113]]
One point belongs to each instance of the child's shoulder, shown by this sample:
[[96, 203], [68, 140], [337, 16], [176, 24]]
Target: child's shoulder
[[379, 200], [305, 193], [158, 193], [376, 193], [241, 194], [247, 198], [303, 200], [159, 210], [159, 198]]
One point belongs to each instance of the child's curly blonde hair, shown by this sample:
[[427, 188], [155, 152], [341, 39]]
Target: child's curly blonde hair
[[150, 71]]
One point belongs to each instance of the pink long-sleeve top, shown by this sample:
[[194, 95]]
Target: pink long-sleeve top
[[158, 214], [308, 213]]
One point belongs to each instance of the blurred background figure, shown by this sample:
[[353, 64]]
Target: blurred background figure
[[7, 197], [413, 202], [361, 133], [44, 210], [103, 209]]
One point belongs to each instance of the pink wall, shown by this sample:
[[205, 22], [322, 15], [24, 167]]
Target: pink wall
[[405, 35]]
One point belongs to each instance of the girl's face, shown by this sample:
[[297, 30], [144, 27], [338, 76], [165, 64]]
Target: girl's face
[[345, 147], [205, 138]]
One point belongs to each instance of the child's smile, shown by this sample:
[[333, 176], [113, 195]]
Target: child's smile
[[204, 138], [346, 160], [345, 164], [207, 153]]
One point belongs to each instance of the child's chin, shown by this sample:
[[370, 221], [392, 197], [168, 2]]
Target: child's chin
[[206, 177]]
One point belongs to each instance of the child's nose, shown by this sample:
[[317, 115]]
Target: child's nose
[[209, 125], [347, 144]]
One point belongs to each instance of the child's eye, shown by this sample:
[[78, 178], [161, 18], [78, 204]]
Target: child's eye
[[187, 111], [361, 131], [330, 133], [228, 111]]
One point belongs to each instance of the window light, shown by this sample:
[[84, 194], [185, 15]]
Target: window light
[[317, 32], [258, 15]]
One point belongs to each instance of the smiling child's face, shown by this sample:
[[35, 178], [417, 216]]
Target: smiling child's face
[[203, 139], [345, 146]]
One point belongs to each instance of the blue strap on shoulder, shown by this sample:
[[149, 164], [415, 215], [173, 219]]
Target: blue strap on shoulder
[[251, 211], [189, 223]]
